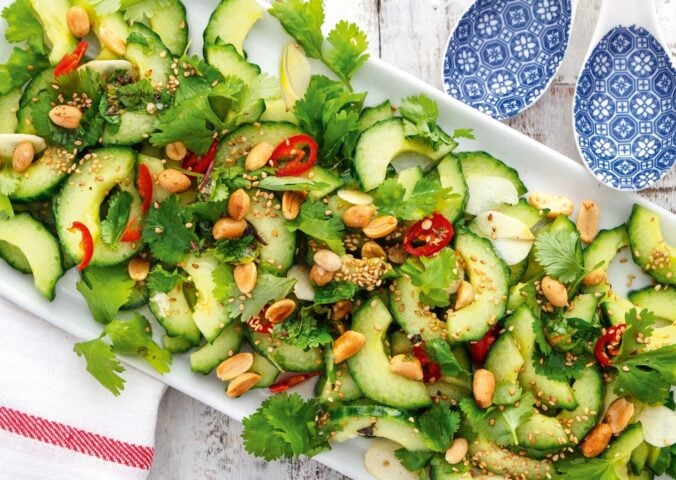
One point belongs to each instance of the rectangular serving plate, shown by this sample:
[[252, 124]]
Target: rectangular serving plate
[[540, 167]]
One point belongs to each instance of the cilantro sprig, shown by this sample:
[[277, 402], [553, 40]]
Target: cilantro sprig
[[560, 253], [433, 275], [427, 196], [168, 230], [420, 115], [499, 424]]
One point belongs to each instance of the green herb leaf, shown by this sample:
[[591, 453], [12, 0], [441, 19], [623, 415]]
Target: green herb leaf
[[303, 21], [334, 292], [327, 229], [420, 121], [282, 184], [440, 352], [495, 424], [427, 196], [560, 254], [133, 337], [21, 66], [349, 49], [587, 468], [102, 363], [166, 233], [268, 289], [433, 275], [413, 461], [117, 218], [240, 250], [304, 330], [106, 290], [438, 425], [23, 26], [161, 280]]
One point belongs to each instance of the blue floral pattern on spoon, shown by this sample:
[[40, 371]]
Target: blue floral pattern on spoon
[[624, 112], [504, 53]]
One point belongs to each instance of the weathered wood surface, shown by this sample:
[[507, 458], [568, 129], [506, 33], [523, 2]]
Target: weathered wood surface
[[197, 442]]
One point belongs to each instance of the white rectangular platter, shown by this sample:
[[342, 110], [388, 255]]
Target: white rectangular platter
[[539, 167]]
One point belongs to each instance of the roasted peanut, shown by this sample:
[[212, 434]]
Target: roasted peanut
[[596, 441], [619, 414], [246, 275], [242, 384], [406, 366], [235, 366], [66, 116], [457, 451], [78, 21], [464, 296], [176, 151], [347, 345], [554, 204], [483, 387], [238, 204], [594, 277], [280, 310], [554, 291], [358, 216], [112, 41], [258, 156], [138, 269], [328, 260], [341, 309], [588, 220], [320, 276], [291, 202], [372, 249], [381, 227], [228, 228], [174, 181], [23, 156]]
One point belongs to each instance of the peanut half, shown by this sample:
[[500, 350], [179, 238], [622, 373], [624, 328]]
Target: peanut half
[[246, 276], [358, 216], [372, 249], [483, 387], [66, 116], [554, 291], [319, 276], [596, 441], [239, 204], [280, 310], [588, 220], [406, 366], [381, 227], [176, 151], [78, 21], [242, 384], [258, 156], [228, 228], [328, 260], [138, 269], [457, 451], [112, 41], [554, 204], [235, 366], [347, 345], [174, 181], [291, 202], [465, 295], [23, 156], [619, 414]]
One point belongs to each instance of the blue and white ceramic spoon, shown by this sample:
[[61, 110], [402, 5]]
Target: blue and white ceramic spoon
[[503, 54], [624, 111]]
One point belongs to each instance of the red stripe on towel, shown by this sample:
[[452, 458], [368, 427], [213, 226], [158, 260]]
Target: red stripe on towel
[[75, 439]]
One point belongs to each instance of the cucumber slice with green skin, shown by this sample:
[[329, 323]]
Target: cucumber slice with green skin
[[372, 115], [584, 307], [278, 242], [489, 276], [52, 16], [327, 182], [155, 166], [648, 246], [408, 179], [522, 293], [400, 343], [263, 367], [275, 111], [605, 247], [375, 421], [24, 116], [560, 393], [521, 211], [239, 142], [231, 21], [620, 449], [15, 257], [411, 315], [176, 344], [500, 460], [661, 302], [9, 104], [448, 391], [171, 24], [81, 199], [559, 331], [172, 311], [484, 164], [39, 247], [134, 128], [224, 346], [560, 223], [380, 144], [505, 361], [138, 297], [588, 391], [42, 179], [147, 52], [451, 176], [440, 469], [226, 59], [542, 432], [336, 385], [370, 367], [659, 459], [614, 308], [209, 314], [516, 271], [286, 357]]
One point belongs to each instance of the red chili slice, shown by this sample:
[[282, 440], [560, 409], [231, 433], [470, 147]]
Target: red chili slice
[[294, 156], [201, 163], [284, 385], [87, 244], [71, 61], [259, 323], [478, 351], [608, 345], [144, 183], [132, 233], [431, 370], [428, 236]]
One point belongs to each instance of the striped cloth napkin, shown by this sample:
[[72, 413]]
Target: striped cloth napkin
[[57, 422]]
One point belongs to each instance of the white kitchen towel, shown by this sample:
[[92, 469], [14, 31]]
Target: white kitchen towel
[[56, 421]]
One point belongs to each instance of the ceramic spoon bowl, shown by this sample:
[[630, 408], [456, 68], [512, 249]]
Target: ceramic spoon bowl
[[624, 112], [503, 54]]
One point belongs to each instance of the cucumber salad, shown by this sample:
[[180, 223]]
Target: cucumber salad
[[276, 229]]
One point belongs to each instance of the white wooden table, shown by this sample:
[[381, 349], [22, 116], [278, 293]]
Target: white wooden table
[[197, 442]]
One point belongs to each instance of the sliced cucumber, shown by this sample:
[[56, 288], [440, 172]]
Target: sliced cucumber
[[39, 247], [370, 367], [410, 315], [134, 127], [275, 111], [588, 391], [604, 248], [25, 117], [648, 246], [522, 211], [408, 179], [171, 24], [661, 302], [173, 312], [176, 344], [81, 199], [264, 367], [372, 115], [505, 361], [138, 297], [620, 449], [52, 15], [336, 385], [375, 421], [326, 182], [15, 257], [229, 62], [9, 103], [42, 179], [278, 241], [448, 390], [542, 432], [490, 278], [500, 460], [231, 21], [286, 357], [225, 345], [238, 143], [147, 52], [451, 176], [615, 307], [484, 164], [155, 166]]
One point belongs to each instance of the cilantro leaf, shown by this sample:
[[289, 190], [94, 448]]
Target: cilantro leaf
[[304, 330], [136, 96], [166, 233], [283, 427], [303, 21], [23, 26], [440, 352], [102, 363], [463, 133], [426, 197], [133, 337], [21, 66], [6, 210], [240, 250], [209, 211], [438, 425], [106, 290], [349, 49], [639, 325], [335, 291], [413, 460], [244, 110], [560, 254], [498, 424], [161, 280], [588, 468], [8, 183], [327, 229], [268, 289], [224, 283], [433, 275], [420, 115], [116, 220]]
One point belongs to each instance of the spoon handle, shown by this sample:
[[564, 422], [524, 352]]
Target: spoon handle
[[627, 12]]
